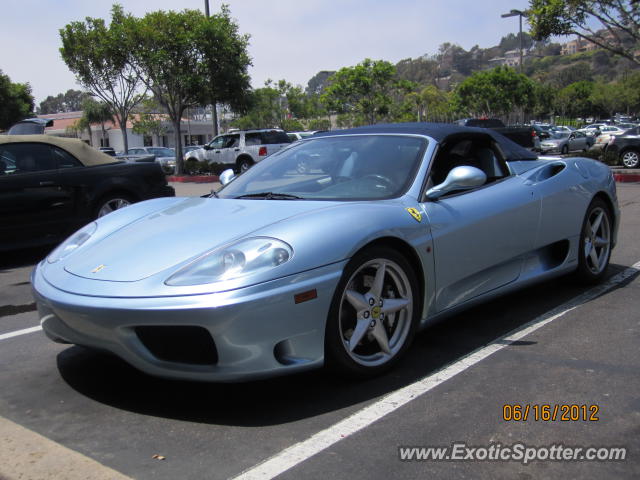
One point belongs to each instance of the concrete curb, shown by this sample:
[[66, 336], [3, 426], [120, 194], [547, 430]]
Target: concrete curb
[[193, 178]]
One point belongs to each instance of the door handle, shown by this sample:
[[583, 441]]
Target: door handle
[[46, 183], [236, 149]]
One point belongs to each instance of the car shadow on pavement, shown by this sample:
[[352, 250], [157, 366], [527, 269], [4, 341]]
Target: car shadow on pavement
[[109, 380], [23, 258]]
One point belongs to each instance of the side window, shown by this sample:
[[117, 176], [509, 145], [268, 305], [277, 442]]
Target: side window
[[253, 138], [273, 137], [23, 158], [217, 142], [65, 159], [232, 141], [479, 153]]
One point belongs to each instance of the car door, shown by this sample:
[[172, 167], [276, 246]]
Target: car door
[[33, 204], [481, 236], [579, 141], [214, 153], [230, 148]]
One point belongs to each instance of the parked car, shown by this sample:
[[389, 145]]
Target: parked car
[[30, 126], [562, 128], [542, 130], [626, 147], [606, 133], [524, 136], [300, 135], [51, 186], [243, 148], [166, 157], [565, 142], [108, 151], [403, 225], [592, 130], [188, 149]]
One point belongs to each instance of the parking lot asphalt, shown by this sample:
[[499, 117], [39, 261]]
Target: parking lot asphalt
[[67, 412]]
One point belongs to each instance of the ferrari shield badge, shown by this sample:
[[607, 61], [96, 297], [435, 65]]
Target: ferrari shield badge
[[415, 214]]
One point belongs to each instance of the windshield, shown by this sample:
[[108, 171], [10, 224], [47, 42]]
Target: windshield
[[363, 167], [559, 135], [162, 152]]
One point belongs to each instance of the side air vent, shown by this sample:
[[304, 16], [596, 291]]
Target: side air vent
[[550, 170]]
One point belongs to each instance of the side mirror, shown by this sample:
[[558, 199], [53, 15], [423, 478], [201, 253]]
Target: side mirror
[[227, 176], [460, 178], [207, 147]]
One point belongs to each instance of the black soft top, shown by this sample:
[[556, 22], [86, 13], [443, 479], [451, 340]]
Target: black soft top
[[439, 132]]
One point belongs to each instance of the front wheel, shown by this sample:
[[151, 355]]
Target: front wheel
[[595, 243], [244, 164], [630, 159], [374, 314]]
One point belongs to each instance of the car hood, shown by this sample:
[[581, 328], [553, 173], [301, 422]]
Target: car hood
[[178, 233]]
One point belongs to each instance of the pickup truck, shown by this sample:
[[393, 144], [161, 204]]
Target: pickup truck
[[241, 149], [524, 136]]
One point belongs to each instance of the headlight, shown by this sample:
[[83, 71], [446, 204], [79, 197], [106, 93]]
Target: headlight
[[73, 242], [243, 258]]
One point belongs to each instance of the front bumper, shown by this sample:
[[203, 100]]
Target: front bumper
[[258, 331]]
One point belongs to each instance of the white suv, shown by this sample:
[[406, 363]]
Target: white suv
[[241, 148]]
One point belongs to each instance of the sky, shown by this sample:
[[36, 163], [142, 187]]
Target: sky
[[290, 39]]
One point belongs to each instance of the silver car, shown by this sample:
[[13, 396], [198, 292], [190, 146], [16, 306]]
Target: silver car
[[392, 228], [565, 142]]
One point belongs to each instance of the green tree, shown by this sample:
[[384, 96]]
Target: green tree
[[365, 92], [70, 101], [575, 99], [430, 104], [98, 55], [495, 92], [609, 98], [610, 24], [148, 119], [266, 109], [225, 61], [97, 112], [180, 55], [16, 101]]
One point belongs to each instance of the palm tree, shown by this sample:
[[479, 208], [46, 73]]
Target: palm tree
[[97, 112]]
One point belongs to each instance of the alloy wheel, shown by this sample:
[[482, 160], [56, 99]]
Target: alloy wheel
[[597, 240], [376, 311]]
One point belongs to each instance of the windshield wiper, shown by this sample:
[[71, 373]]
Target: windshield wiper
[[270, 196]]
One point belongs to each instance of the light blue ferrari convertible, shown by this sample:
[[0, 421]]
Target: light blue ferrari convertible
[[385, 230]]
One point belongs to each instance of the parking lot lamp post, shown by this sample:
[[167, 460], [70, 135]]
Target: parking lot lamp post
[[520, 14]]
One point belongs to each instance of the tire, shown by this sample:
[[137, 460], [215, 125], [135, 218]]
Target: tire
[[112, 202], [244, 164], [630, 158], [377, 299], [565, 150], [594, 249]]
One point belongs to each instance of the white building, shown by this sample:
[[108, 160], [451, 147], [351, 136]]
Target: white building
[[191, 132]]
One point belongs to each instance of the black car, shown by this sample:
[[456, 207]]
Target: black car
[[50, 187], [626, 147]]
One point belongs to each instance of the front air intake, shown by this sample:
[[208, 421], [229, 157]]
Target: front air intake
[[180, 344]]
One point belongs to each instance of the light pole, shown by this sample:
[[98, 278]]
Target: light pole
[[520, 14], [214, 105]]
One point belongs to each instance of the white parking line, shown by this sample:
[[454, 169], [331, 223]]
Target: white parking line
[[301, 451], [24, 331]]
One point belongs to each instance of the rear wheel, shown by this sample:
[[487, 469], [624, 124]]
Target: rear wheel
[[374, 314], [595, 243], [630, 159], [112, 202]]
